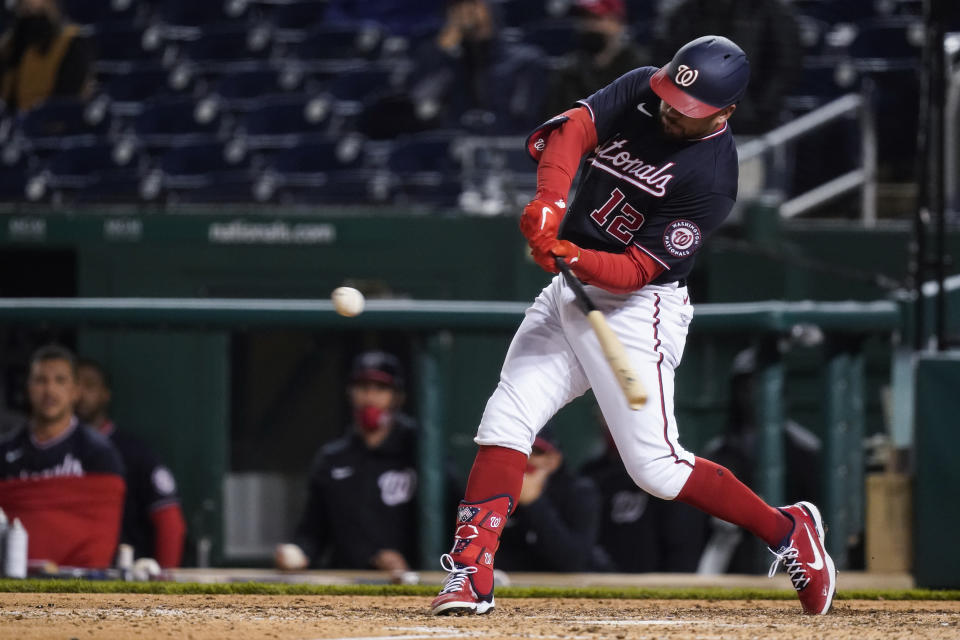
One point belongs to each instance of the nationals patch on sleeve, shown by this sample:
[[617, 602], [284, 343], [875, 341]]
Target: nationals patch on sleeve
[[681, 238]]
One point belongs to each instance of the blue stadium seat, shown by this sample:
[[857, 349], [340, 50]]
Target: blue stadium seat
[[329, 42], [344, 188], [15, 169], [166, 122], [283, 121], [429, 151], [122, 43], [228, 43], [197, 13], [203, 172], [242, 87], [427, 168], [294, 19], [820, 80], [61, 121], [335, 154], [128, 91], [365, 81], [894, 41], [100, 172], [87, 12]]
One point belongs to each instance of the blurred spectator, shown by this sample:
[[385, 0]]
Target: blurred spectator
[[728, 549], [639, 532], [361, 509], [470, 76], [60, 477], [554, 527], [767, 31], [152, 520], [604, 52], [42, 55]]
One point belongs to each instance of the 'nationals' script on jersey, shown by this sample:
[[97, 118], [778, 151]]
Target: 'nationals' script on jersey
[[662, 194]]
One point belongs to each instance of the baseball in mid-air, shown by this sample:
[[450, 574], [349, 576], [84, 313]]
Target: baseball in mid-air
[[347, 301]]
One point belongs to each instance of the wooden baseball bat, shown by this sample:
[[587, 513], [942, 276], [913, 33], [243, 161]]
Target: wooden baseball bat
[[613, 349]]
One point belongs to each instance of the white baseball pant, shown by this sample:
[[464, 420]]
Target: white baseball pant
[[555, 357]]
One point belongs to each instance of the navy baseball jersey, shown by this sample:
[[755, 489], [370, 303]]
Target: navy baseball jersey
[[362, 500], [641, 187], [78, 451], [150, 486]]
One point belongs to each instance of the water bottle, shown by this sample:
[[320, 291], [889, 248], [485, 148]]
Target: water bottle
[[15, 551], [4, 527]]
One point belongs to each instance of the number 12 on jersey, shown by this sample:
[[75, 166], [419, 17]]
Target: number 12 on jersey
[[623, 225]]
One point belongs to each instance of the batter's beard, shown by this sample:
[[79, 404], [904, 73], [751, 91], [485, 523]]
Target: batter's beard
[[677, 133]]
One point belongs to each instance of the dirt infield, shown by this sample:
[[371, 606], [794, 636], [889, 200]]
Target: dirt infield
[[115, 617]]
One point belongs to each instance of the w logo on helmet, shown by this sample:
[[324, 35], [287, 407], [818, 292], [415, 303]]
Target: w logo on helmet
[[686, 76]]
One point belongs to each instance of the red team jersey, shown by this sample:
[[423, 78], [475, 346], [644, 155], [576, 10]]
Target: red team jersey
[[641, 187]]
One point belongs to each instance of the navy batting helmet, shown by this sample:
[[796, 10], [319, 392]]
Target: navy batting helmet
[[705, 76]]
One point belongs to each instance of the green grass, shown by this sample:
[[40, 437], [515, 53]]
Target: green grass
[[270, 588]]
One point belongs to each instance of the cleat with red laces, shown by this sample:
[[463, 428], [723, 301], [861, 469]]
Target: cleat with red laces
[[806, 560]]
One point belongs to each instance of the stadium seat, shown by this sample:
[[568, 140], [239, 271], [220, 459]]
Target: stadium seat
[[119, 44], [100, 172], [129, 91], [820, 80], [888, 42], [89, 13], [292, 20], [242, 87], [361, 187], [335, 154], [229, 43], [429, 151], [364, 81], [197, 13], [203, 172], [14, 173], [63, 121], [175, 121], [329, 42], [283, 121]]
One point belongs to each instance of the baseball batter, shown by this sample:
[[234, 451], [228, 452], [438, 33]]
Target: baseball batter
[[659, 175]]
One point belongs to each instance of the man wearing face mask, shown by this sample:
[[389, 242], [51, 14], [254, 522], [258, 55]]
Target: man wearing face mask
[[42, 56], [470, 76], [604, 52], [361, 510]]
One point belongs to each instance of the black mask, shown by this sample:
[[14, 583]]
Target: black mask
[[35, 29], [591, 42]]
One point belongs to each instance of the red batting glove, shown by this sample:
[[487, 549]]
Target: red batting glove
[[541, 221], [559, 249], [571, 253], [545, 261]]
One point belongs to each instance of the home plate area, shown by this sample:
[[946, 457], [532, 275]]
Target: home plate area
[[239, 617]]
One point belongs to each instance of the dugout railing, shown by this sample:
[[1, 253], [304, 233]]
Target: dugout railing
[[844, 325]]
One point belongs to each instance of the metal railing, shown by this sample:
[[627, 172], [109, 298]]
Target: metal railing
[[771, 145]]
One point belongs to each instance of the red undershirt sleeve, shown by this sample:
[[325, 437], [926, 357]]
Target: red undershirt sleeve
[[617, 272], [561, 156], [169, 531], [566, 145]]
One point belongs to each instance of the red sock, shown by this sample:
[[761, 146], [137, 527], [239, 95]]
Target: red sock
[[492, 489], [496, 471], [717, 491]]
